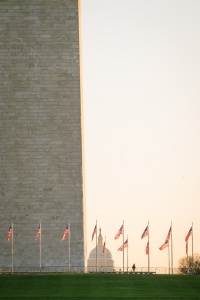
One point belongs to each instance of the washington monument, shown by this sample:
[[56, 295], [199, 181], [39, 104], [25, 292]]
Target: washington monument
[[41, 140]]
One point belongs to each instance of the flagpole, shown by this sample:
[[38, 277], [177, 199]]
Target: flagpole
[[12, 262], [192, 251], [123, 244], [96, 246], [105, 253], [69, 247], [187, 256], [172, 250], [40, 246], [148, 249], [168, 259], [127, 255]]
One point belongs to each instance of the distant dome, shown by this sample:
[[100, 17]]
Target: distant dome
[[104, 260]]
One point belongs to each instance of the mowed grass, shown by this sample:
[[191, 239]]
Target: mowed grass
[[100, 286]]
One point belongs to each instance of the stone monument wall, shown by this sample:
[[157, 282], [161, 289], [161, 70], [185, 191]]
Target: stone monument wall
[[41, 166]]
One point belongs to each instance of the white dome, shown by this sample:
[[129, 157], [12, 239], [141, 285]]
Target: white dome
[[104, 261]]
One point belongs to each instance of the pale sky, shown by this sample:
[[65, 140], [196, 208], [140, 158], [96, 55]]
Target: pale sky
[[141, 91]]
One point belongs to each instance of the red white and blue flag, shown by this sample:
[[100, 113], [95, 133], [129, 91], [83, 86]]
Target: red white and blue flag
[[103, 247], [169, 235], [38, 233], [119, 233], [147, 248], [9, 233], [145, 233], [125, 245], [165, 245], [65, 233], [94, 232], [188, 235]]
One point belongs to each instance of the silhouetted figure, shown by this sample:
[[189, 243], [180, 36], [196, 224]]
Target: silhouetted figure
[[133, 267]]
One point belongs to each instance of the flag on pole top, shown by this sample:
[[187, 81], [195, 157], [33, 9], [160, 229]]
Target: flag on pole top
[[9, 233], [94, 232], [125, 245], [169, 234], [147, 248], [38, 233], [165, 245], [119, 233], [65, 233], [188, 235], [145, 233], [103, 247]]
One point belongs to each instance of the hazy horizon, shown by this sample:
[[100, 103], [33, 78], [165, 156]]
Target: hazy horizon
[[141, 68]]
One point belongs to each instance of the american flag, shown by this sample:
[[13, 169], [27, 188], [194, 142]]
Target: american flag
[[65, 233], [9, 233], [125, 245], [147, 248], [169, 234], [145, 233], [38, 233], [94, 232], [188, 235], [119, 233], [165, 245], [103, 247]]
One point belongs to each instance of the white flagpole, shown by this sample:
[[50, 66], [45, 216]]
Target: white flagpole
[[40, 246], [127, 254], [172, 250], [96, 246], [148, 249], [105, 253], [12, 263], [168, 259], [192, 251], [69, 246], [123, 245], [187, 256]]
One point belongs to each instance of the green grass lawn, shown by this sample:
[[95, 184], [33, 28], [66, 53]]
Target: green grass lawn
[[100, 286]]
